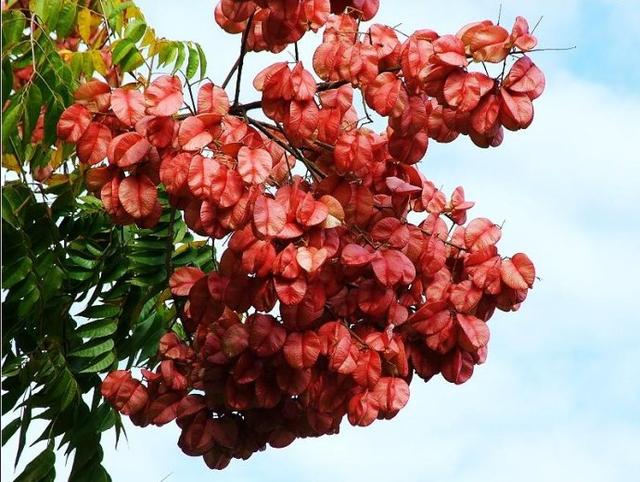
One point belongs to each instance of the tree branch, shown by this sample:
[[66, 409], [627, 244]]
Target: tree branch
[[243, 52], [264, 128], [230, 74]]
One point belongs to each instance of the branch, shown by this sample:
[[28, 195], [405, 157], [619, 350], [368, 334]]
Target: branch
[[262, 127], [241, 109], [230, 74], [243, 52]]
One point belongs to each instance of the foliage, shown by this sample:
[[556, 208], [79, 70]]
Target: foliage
[[80, 294], [345, 272]]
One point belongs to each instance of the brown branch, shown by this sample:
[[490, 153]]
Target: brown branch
[[230, 74], [241, 109], [264, 128], [448, 243], [243, 52]]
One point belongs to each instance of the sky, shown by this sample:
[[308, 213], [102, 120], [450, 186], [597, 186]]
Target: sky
[[558, 398]]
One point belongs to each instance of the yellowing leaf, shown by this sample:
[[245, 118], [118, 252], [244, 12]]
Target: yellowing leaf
[[10, 162], [84, 24], [98, 62], [57, 179], [194, 244], [133, 13], [57, 157], [149, 38], [65, 54]]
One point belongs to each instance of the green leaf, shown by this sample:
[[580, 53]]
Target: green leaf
[[13, 23], [15, 272], [27, 304], [104, 416], [177, 65], [66, 19], [121, 49], [135, 30], [40, 468], [148, 260], [60, 392], [7, 78], [12, 366], [80, 275], [100, 363], [101, 311], [83, 262], [9, 430], [150, 244], [132, 61], [76, 64], [10, 118], [168, 52], [93, 348], [192, 63], [52, 12], [87, 64], [24, 426], [33, 103], [98, 328], [119, 9], [203, 61], [52, 282], [51, 117]]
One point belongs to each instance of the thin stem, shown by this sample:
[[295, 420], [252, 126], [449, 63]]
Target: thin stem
[[395, 28], [230, 74], [33, 49], [241, 109], [243, 52], [537, 24], [286, 159], [504, 67], [552, 49], [193, 102], [366, 111], [263, 128], [448, 243], [355, 335]]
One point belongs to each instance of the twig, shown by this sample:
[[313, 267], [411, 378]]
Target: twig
[[537, 23], [309, 165], [448, 243], [241, 109], [191, 108], [243, 52], [553, 49], [230, 74], [366, 112], [286, 159]]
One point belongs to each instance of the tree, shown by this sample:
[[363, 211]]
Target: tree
[[268, 274]]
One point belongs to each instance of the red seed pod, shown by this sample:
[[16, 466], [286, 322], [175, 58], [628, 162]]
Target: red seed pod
[[336, 284]]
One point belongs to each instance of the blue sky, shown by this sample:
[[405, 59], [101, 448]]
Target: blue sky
[[559, 395]]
